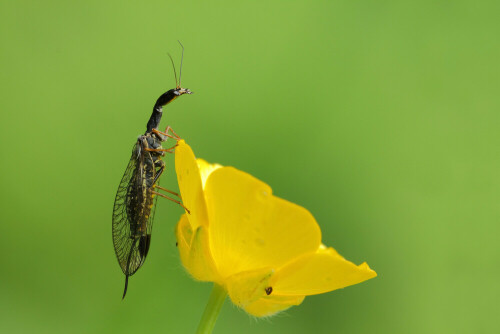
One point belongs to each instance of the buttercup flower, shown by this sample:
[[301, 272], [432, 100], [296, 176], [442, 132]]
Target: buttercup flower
[[264, 251]]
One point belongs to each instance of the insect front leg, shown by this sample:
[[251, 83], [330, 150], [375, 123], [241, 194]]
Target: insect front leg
[[162, 135], [168, 128], [166, 134]]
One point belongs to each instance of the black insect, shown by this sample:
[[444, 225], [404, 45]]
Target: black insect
[[135, 200]]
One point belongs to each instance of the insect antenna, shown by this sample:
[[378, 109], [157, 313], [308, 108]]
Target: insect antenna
[[182, 57], [175, 73]]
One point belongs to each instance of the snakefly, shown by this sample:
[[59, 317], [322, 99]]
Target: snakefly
[[135, 200]]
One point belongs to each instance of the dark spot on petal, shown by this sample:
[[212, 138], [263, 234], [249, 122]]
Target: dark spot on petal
[[269, 290]]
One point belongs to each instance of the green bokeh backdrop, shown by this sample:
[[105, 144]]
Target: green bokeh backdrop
[[380, 117]]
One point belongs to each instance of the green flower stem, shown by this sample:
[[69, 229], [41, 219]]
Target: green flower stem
[[212, 310]]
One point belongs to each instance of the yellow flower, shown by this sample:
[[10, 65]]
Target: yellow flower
[[265, 251]]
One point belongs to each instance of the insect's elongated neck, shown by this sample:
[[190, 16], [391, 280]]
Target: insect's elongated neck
[[164, 99]]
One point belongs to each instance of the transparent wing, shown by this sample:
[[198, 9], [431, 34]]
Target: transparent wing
[[128, 210]]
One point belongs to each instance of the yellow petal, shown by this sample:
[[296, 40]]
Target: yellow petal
[[247, 287], [189, 179], [184, 235], [318, 273], [270, 305], [201, 264], [206, 169], [250, 228]]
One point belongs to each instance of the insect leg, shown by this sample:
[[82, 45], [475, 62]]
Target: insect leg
[[168, 191], [173, 200], [158, 132], [168, 150], [157, 176], [168, 128]]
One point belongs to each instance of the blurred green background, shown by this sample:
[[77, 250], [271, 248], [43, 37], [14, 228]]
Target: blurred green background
[[380, 117]]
